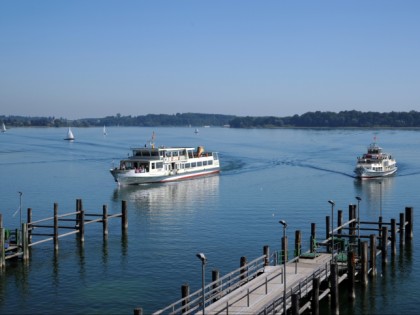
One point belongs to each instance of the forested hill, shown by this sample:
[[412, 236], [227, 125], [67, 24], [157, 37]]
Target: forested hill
[[310, 120]]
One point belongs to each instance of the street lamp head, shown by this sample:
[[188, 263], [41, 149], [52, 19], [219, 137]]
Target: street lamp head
[[202, 257], [331, 202], [282, 222], [358, 198]]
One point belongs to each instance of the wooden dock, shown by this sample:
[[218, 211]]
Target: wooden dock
[[274, 284]]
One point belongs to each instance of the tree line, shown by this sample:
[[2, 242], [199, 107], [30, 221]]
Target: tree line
[[315, 119]]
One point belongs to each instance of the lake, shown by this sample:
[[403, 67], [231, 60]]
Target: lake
[[267, 175]]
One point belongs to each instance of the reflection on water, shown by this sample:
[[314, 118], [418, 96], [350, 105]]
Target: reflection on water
[[372, 191], [166, 196]]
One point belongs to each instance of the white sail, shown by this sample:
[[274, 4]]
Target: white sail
[[105, 133], [3, 128], [70, 135]]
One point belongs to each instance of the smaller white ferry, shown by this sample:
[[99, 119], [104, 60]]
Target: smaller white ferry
[[375, 163], [164, 164]]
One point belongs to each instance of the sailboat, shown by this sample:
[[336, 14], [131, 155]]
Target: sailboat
[[3, 127], [105, 133], [70, 135]]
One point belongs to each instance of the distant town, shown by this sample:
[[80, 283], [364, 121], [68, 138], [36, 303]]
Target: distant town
[[315, 119]]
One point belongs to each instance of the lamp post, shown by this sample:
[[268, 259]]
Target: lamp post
[[203, 259], [358, 223], [282, 222], [332, 229]]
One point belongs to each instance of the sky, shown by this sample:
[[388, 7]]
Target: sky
[[97, 58]]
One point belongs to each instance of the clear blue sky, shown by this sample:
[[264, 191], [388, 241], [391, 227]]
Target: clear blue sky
[[94, 58]]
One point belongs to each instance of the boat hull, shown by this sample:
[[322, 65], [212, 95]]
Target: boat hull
[[131, 178], [366, 173]]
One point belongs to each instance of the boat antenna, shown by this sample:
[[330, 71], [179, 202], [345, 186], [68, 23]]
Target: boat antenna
[[152, 140]]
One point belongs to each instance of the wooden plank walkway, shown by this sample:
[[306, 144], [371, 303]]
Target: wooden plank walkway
[[254, 296]]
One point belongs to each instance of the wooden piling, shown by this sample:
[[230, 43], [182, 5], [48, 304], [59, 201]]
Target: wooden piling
[[215, 275], [243, 267], [402, 228], [25, 245], [393, 237], [1, 220], [2, 249], [352, 226], [29, 220], [315, 296], [372, 239], [298, 243], [351, 266], [55, 226], [295, 304], [339, 222], [266, 251], [138, 311], [409, 228], [380, 230], [185, 292], [334, 289], [313, 237], [124, 217], [284, 246], [384, 244], [105, 220], [364, 264]]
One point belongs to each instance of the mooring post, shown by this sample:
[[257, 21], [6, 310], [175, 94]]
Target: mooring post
[[364, 261], [315, 296], [313, 237], [78, 207], [124, 218], [352, 226], [243, 268], [372, 239], [380, 230], [284, 246], [29, 220], [215, 274], [409, 227], [393, 237], [138, 311], [266, 251], [334, 289], [351, 266], [55, 226], [105, 220], [298, 243], [339, 222], [2, 249], [402, 228], [295, 304], [384, 244], [25, 245], [185, 292], [81, 225]]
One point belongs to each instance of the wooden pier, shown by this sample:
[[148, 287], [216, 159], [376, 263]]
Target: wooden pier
[[16, 244], [272, 284]]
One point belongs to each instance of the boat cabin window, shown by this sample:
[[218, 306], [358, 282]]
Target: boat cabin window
[[159, 165], [187, 165], [193, 164], [200, 163], [204, 163]]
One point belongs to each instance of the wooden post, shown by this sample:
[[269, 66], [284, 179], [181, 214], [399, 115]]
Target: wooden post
[[138, 311], [124, 219], [380, 230], [334, 289], [185, 292], [25, 242], [81, 225], [243, 268], [284, 246], [295, 304], [29, 220], [372, 238], [409, 228], [215, 279], [55, 226], [2, 249], [313, 237], [78, 207], [298, 243], [266, 251], [364, 261], [351, 262], [352, 226], [1, 220], [384, 243], [315, 296], [339, 221], [105, 220], [402, 228], [393, 237]]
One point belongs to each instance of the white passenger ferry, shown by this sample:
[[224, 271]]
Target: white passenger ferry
[[164, 164], [375, 163]]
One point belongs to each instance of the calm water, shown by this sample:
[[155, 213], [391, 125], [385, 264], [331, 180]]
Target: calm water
[[267, 175]]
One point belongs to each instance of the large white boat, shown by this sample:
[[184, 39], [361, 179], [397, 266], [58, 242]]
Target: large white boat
[[375, 163], [164, 164]]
